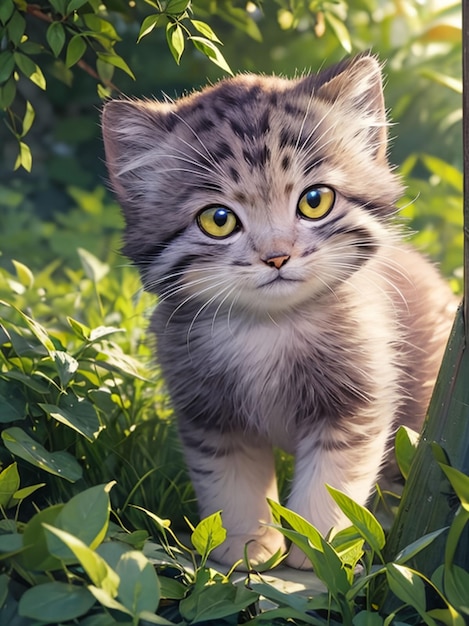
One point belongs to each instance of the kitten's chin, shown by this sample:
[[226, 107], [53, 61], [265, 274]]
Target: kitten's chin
[[282, 295]]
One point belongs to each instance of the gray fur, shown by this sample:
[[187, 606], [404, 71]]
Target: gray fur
[[323, 356]]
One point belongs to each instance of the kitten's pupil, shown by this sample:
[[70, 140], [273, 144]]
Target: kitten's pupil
[[220, 217], [313, 198]]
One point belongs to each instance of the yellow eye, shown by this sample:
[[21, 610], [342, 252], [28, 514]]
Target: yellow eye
[[316, 202], [218, 222]]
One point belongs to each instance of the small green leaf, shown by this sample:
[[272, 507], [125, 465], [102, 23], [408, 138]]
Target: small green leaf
[[148, 24], [7, 93], [363, 520], [117, 61], [74, 5], [60, 464], [94, 269], [444, 171], [75, 50], [16, 27], [211, 51], [208, 535], [177, 7], [79, 329], [36, 556], [408, 586], [457, 587], [55, 602], [23, 273], [405, 448], [96, 567], [139, 589], [7, 65], [30, 69], [216, 601], [340, 31], [78, 414], [206, 30], [417, 546], [459, 482], [367, 618], [28, 120], [24, 158], [6, 11], [9, 483], [8, 412], [66, 366], [56, 37], [171, 589], [175, 39]]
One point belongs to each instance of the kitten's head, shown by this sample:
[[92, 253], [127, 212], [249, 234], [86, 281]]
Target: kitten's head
[[258, 191]]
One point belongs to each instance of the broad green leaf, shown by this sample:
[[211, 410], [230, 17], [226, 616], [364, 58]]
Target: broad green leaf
[[6, 11], [11, 543], [340, 31], [298, 523], [206, 30], [28, 381], [405, 447], [56, 37], [66, 366], [139, 589], [175, 39], [38, 331], [408, 586], [74, 5], [105, 71], [24, 158], [16, 27], [79, 329], [104, 331], [55, 602], [94, 269], [8, 412], [171, 589], [96, 567], [445, 171], [108, 600], [177, 7], [30, 69], [76, 48], [216, 601], [211, 51], [80, 415], [117, 61], [9, 484], [7, 65], [456, 529], [148, 24], [60, 463], [457, 587], [459, 482], [363, 520], [367, 618], [208, 535], [86, 517], [36, 556]]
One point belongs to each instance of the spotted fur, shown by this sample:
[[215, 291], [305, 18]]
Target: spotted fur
[[323, 355]]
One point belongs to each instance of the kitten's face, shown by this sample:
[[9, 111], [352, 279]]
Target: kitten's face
[[258, 192]]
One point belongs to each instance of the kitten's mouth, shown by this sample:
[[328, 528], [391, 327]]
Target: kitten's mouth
[[280, 279]]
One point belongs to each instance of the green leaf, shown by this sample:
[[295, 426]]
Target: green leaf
[[175, 39], [139, 589], [27, 123], [405, 448], [208, 535], [56, 37], [16, 27], [36, 556], [86, 517], [457, 587], [216, 601], [38, 331], [171, 589], [55, 602], [459, 482], [455, 84], [66, 366], [6, 11], [60, 464], [23, 273], [9, 484], [117, 61], [96, 567], [363, 520], [74, 5], [30, 69], [367, 618], [177, 7], [82, 331], [417, 546], [7, 65], [408, 586], [7, 93], [211, 51], [148, 24], [75, 50], [206, 30], [340, 31], [10, 544], [8, 412], [24, 158], [80, 415], [444, 171]]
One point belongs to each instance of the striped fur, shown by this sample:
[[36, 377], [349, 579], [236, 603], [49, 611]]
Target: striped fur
[[323, 356]]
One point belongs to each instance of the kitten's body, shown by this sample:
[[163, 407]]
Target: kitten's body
[[317, 335]]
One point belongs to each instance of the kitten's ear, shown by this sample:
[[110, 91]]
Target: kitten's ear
[[132, 130], [355, 87]]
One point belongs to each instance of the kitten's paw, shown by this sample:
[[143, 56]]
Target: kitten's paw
[[298, 559], [260, 548]]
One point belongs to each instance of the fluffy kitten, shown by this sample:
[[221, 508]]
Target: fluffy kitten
[[290, 313]]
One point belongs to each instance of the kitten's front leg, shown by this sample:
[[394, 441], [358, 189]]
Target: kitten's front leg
[[235, 473], [347, 458]]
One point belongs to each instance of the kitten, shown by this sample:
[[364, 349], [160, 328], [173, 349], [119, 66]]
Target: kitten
[[290, 313]]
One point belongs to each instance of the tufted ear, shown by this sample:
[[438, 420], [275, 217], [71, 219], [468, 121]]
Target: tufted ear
[[355, 88], [133, 132]]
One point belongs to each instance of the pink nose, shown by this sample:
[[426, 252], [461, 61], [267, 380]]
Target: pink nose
[[277, 261]]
